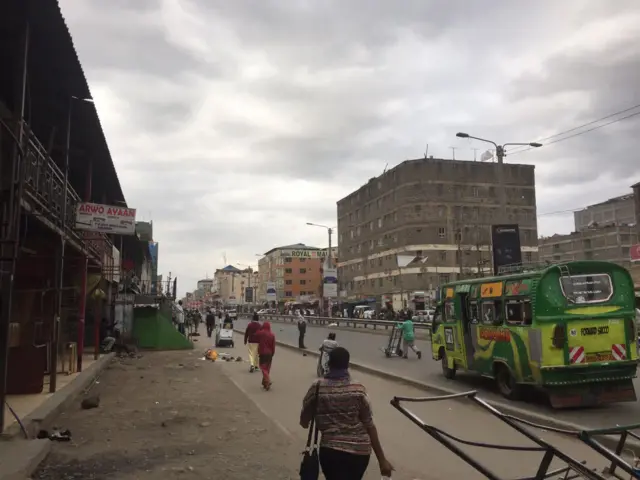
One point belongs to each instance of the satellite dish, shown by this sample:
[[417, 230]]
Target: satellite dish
[[486, 156]]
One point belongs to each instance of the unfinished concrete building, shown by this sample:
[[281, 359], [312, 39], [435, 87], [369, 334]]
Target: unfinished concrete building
[[619, 210], [439, 211], [608, 243]]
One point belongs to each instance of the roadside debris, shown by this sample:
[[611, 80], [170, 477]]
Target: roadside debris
[[90, 402], [56, 436]]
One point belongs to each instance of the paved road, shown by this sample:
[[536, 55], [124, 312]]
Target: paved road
[[366, 348], [414, 454]]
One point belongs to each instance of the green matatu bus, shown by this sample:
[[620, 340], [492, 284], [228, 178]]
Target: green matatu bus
[[568, 329]]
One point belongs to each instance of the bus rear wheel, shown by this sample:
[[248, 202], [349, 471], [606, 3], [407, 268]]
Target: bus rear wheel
[[449, 373], [506, 383]]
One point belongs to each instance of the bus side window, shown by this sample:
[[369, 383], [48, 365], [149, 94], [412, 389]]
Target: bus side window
[[488, 313], [518, 312], [473, 312], [514, 312], [449, 311]]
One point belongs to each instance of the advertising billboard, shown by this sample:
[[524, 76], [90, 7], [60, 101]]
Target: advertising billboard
[[248, 294], [505, 241], [330, 282], [634, 252], [95, 217], [272, 294], [153, 253]]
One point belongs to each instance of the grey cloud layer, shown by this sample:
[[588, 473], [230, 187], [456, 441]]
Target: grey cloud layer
[[332, 91]]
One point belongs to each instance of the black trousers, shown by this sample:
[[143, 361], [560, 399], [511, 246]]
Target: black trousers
[[301, 340], [209, 329], [337, 465]]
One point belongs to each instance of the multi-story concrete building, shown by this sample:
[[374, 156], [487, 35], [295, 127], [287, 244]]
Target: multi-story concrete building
[[229, 284], [296, 271], [205, 285], [635, 265], [615, 211], [439, 211], [609, 243]]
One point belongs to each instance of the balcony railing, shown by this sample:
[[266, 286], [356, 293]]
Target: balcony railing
[[44, 184]]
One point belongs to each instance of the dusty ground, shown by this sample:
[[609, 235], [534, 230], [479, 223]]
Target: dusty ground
[[170, 415]]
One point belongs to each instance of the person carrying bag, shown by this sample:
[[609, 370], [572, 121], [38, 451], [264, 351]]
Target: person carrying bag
[[310, 465]]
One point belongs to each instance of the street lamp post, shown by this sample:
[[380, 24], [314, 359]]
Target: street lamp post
[[500, 153], [329, 256]]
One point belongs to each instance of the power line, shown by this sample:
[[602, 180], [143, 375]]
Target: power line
[[562, 134]]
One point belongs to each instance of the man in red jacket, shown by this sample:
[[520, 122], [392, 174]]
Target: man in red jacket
[[266, 350], [251, 340]]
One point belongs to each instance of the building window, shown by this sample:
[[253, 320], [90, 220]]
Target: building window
[[288, 270], [288, 260], [380, 282], [380, 223], [443, 256], [444, 278], [475, 192], [288, 282], [288, 294], [527, 257], [442, 232], [303, 270], [395, 216], [303, 260], [303, 282]]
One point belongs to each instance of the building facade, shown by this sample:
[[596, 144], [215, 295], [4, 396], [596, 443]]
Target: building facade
[[230, 284], [619, 211], [610, 243], [438, 211], [295, 269]]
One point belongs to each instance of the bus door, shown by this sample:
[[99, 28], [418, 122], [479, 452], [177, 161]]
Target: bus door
[[453, 332], [465, 323]]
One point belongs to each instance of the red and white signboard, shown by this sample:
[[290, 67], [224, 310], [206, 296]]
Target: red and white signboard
[[634, 252], [95, 217]]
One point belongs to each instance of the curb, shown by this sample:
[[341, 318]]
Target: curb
[[50, 408], [521, 413], [21, 457]]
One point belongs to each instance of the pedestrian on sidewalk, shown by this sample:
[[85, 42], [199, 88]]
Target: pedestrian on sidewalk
[[251, 340], [266, 350], [180, 317], [408, 338], [344, 418], [302, 330], [328, 345], [210, 320]]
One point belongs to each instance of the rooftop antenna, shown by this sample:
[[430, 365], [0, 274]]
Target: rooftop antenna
[[426, 151], [475, 154], [453, 150], [385, 168], [224, 258]]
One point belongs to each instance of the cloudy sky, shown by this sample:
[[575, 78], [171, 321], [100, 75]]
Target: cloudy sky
[[232, 123]]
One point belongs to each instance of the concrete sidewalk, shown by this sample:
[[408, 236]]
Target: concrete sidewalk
[[414, 453]]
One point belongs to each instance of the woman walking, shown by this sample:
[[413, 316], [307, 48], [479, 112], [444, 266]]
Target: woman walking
[[266, 350], [344, 418]]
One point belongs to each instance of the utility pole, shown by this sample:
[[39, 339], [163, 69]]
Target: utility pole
[[453, 152], [475, 154]]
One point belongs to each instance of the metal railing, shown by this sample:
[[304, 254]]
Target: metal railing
[[44, 185], [341, 322]]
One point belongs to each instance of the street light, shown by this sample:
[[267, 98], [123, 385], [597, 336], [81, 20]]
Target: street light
[[500, 153], [330, 232]]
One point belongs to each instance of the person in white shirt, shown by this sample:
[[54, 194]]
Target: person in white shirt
[[180, 317]]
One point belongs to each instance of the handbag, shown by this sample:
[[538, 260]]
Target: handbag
[[310, 465]]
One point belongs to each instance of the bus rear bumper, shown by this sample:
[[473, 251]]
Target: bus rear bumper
[[590, 385]]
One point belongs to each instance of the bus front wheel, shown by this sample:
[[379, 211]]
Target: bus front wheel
[[449, 373], [506, 383]]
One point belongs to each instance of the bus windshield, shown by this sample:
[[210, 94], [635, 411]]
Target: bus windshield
[[593, 288]]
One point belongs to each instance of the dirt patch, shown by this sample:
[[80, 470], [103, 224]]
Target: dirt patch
[[169, 415]]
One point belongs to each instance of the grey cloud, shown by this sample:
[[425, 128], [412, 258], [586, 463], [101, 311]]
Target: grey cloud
[[364, 83]]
